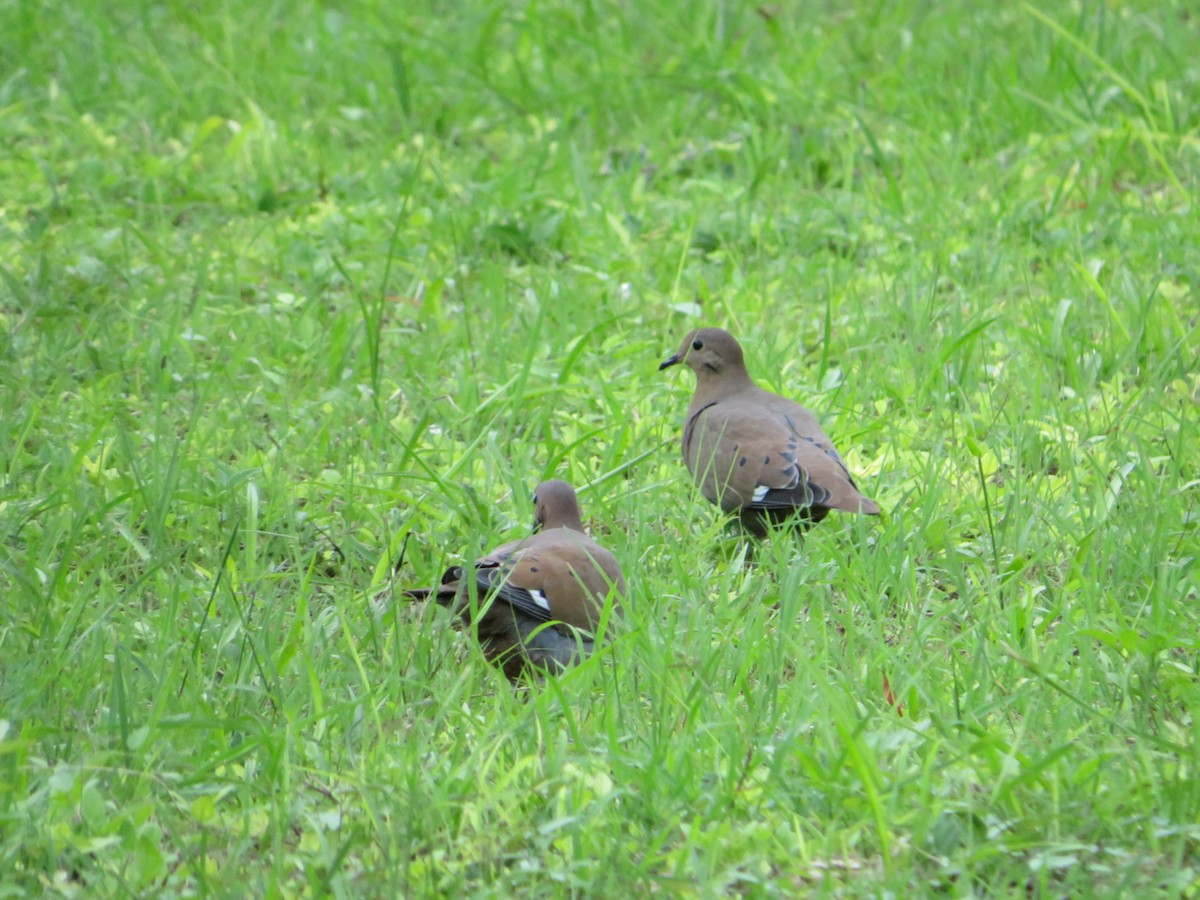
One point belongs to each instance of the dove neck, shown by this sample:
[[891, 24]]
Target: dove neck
[[718, 385], [563, 520]]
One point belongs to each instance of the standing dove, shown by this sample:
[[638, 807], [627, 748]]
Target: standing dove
[[755, 453], [537, 601]]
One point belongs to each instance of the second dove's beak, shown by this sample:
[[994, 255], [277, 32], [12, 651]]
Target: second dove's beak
[[674, 360]]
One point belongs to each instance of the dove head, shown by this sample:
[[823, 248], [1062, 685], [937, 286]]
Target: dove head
[[714, 355], [556, 506]]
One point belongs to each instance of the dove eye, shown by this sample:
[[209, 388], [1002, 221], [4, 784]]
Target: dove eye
[[697, 344]]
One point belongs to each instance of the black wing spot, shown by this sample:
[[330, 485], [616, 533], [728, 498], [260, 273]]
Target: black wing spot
[[766, 459], [533, 568], [788, 455], [742, 461]]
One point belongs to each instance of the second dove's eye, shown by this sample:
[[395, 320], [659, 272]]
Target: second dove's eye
[[697, 344]]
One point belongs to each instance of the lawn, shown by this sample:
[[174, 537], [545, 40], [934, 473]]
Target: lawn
[[300, 300]]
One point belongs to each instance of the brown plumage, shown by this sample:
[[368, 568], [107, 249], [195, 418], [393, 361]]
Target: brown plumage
[[753, 452], [536, 601]]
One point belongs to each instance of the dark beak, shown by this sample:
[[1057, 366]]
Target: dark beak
[[673, 361]]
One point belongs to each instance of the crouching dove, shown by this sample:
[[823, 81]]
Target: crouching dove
[[536, 601], [755, 453]]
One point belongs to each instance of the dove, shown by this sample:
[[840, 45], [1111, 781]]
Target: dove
[[752, 452], [537, 601]]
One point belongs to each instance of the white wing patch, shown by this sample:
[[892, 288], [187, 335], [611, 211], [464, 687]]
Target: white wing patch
[[759, 492], [540, 599]]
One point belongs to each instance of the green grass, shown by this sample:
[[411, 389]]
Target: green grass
[[299, 301]]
